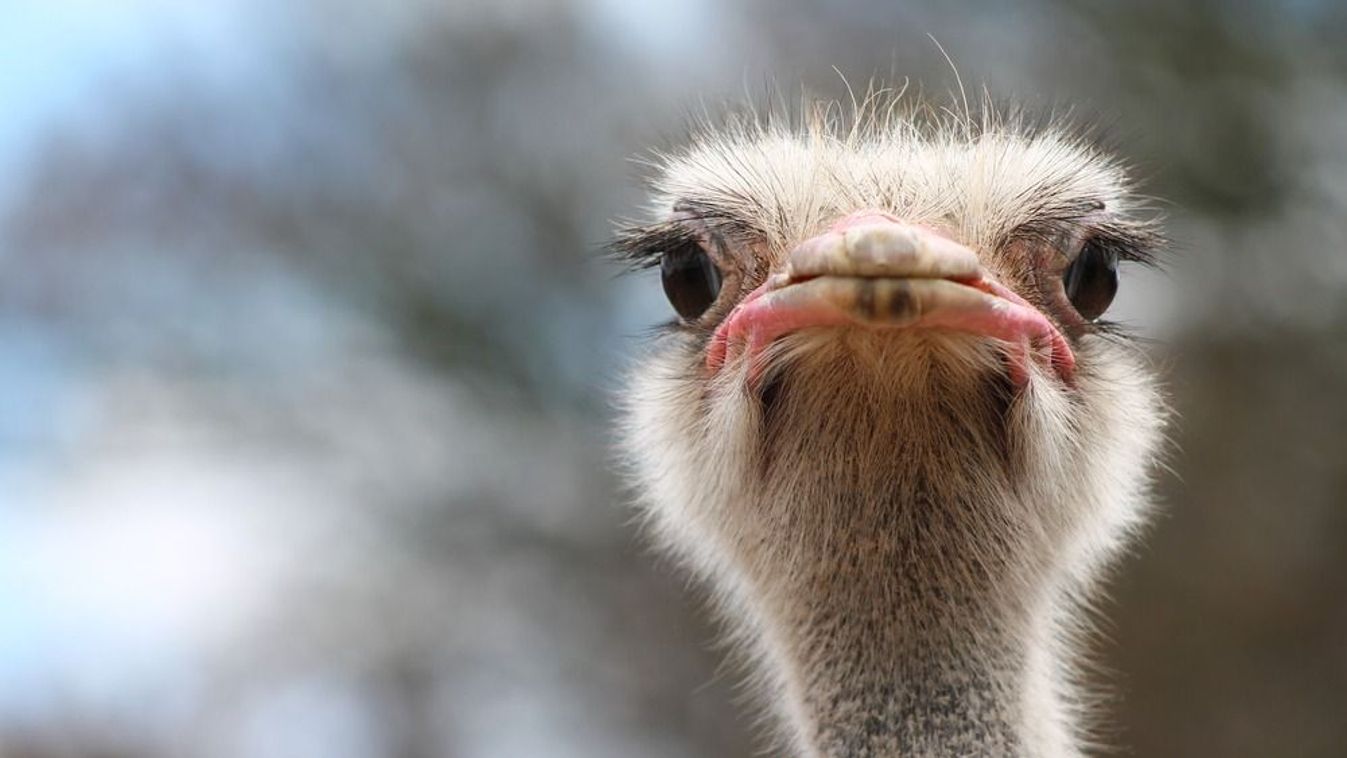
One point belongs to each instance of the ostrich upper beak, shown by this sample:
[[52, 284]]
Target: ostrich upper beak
[[871, 270]]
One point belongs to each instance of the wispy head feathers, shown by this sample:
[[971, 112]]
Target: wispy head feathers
[[783, 174]]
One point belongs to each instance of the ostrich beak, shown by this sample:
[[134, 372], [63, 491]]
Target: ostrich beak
[[871, 270]]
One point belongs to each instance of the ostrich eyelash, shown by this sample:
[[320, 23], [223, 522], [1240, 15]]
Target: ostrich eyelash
[[1137, 246], [1134, 242], [641, 247]]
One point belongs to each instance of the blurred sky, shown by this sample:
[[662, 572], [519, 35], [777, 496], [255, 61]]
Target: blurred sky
[[56, 53], [55, 58], [96, 623], [131, 564], [115, 579]]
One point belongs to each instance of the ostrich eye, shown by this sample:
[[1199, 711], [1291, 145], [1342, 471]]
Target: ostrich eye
[[1091, 280], [691, 280]]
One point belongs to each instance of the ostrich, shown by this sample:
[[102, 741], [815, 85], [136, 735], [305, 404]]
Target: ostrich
[[889, 427]]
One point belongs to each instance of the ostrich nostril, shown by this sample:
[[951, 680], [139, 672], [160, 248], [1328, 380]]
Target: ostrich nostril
[[871, 244]]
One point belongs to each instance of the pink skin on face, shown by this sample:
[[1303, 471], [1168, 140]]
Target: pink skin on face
[[939, 284]]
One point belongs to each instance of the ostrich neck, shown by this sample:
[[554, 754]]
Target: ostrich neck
[[904, 590], [885, 658]]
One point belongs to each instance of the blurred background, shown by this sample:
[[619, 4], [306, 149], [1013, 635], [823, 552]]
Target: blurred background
[[306, 353]]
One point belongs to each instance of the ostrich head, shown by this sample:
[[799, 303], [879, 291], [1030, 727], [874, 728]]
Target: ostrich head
[[889, 425]]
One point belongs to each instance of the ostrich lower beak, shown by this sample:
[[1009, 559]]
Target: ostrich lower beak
[[872, 271]]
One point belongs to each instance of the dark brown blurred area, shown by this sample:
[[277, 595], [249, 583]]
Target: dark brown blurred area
[[307, 354]]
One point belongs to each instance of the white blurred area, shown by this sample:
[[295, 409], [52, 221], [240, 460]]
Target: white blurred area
[[306, 353], [162, 550]]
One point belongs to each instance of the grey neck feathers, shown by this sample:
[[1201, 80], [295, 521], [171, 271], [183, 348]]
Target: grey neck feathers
[[940, 672], [896, 576]]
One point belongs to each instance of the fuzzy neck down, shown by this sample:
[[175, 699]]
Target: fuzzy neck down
[[904, 585]]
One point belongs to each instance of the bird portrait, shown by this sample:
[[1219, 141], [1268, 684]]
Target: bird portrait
[[608, 379], [889, 422]]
